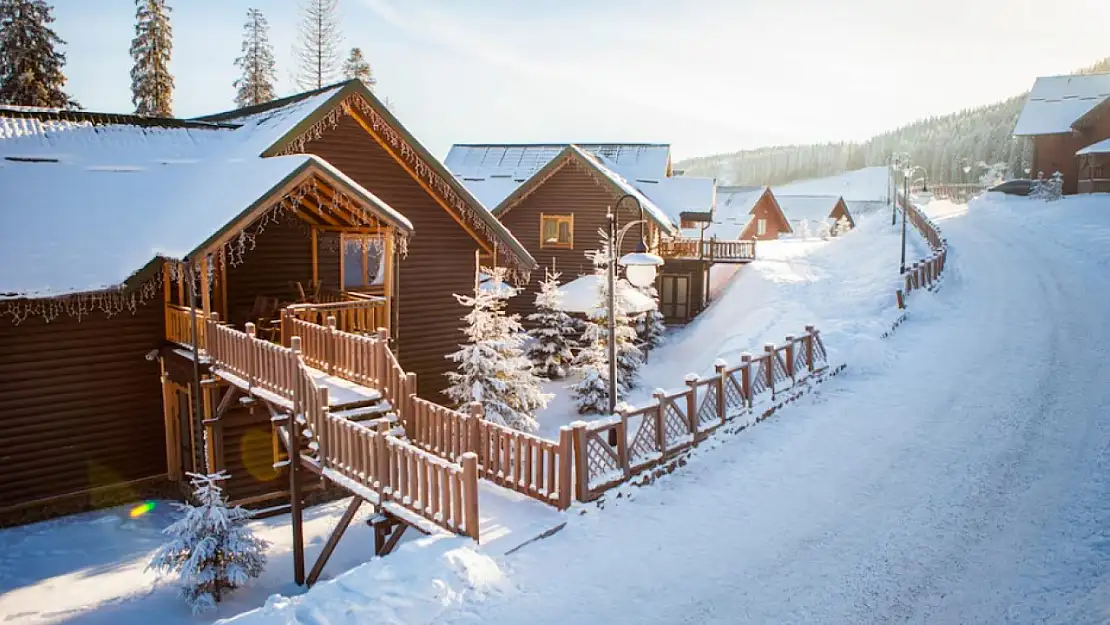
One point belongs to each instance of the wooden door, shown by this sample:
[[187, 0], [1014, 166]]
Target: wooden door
[[674, 297]]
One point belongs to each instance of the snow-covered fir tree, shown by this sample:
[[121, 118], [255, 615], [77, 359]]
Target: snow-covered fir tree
[[843, 225], [151, 49], [320, 41], [823, 229], [492, 367], [591, 391], [211, 549], [649, 325], [1039, 187], [258, 76], [1054, 188], [555, 333], [30, 63], [804, 229], [356, 66]]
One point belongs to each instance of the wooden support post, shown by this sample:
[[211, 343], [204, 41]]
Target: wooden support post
[[181, 276], [622, 444], [295, 503], [471, 433], [329, 348], [901, 298], [720, 368], [167, 279], [746, 378], [387, 273], [769, 352], [566, 453], [790, 355], [223, 281], [333, 540], [408, 402], [205, 287], [581, 467], [811, 331], [692, 403], [316, 258], [660, 417], [470, 494]]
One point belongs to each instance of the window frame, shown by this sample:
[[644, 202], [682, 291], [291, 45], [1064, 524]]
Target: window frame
[[344, 237], [760, 227], [559, 218]]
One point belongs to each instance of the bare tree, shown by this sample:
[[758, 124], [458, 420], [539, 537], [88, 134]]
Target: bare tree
[[256, 84], [319, 44]]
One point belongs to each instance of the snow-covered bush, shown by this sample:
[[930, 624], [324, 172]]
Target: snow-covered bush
[[492, 367], [804, 229], [555, 334], [993, 174], [823, 229], [211, 549]]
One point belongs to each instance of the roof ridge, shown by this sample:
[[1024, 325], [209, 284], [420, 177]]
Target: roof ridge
[[107, 119], [254, 109]]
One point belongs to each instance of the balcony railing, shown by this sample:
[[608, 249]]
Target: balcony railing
[[179, 326], [356, 313], [710, 249]]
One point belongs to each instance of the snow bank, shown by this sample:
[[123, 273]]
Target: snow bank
[[417, 583], [581, 296]]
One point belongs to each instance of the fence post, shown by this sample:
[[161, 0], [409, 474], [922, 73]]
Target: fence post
[[329, 348], [692, 380], [581, 470], [769, 354], [746, 378], [722, 405], [470, 435], [470, 492], [566, 436], [622, 444], [810, 331], [408, 400], [790, 355], [382, 454], [901, 299], [660, 417], [320, 410], [286, 326]]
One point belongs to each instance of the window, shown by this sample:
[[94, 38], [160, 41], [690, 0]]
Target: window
[[362, 261], [557, 231], [761, 227], [688, 223]]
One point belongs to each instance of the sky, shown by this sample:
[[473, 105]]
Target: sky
[[706, 76]]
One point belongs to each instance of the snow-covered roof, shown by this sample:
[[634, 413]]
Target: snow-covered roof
[[581, 296], [733, 211], [71, 228], [1102, 147], [1057, 102], [806, 207], [870, 184], [606, 168], [492, 172], [679, 194]]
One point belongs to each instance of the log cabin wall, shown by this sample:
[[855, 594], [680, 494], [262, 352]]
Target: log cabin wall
[[765, 209], [1053, 153], [440, 260], [82, 409], [570, 191]]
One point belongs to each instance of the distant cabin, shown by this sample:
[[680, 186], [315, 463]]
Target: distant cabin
[[747, 213], [808, 212], [1068, 120]]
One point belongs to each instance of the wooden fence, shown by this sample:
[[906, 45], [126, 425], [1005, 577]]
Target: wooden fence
[[179, 326], [923, 273], [610, 451]]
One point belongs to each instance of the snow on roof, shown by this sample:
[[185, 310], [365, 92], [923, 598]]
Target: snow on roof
[[72, 228], [605, 167], [679, 194], [1102, 147], [1056, 102], [258, 131], [867, 184], [733, 211], [490, 191], [806, 207], [581, 295]]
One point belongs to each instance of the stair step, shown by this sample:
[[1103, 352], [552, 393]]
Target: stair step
[[364, 413]]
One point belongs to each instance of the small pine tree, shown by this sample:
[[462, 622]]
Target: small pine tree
[[555, 334], [320, 42], [649, 325], [1054, 189], [591, 392], [823, 229], [1039, 186], [492, 368], [30, 64], [152, 48], [358, 67], [256, 83], [804, 230], [212, 550]]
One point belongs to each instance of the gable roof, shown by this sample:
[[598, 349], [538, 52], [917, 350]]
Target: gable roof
[[733, 212], [600, 168], [1102, 147], [1057, 102], [680, 194], [808, 207], [87, 228]]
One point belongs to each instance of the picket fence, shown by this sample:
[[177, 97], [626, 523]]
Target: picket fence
[[924, 273]]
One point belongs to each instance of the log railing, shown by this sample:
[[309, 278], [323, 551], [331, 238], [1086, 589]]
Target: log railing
[[922, 274], [179, 326], [436, 489], [527, 464], [710, 249], [610, 451], [356, 313]]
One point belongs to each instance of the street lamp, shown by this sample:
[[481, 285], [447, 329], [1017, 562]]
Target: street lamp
[[899, 161], [639, 268], [906, 203]]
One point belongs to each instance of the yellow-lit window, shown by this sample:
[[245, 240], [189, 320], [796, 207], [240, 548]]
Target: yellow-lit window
[[557, 231]]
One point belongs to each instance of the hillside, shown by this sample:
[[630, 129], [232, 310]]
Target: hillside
[[943, 144]]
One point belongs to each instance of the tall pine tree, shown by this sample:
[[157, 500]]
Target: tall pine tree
[[30, 64], [256, 84], [320, 42], [358, 67], [152, 48]]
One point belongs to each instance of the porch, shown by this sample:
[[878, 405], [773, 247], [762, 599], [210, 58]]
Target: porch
[[710, 251]]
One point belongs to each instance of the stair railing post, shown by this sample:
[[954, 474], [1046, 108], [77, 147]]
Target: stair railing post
[[251, 364], [329, 347]]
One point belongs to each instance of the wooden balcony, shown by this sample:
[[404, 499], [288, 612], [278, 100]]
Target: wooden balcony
[[711, 250], [356, 313]]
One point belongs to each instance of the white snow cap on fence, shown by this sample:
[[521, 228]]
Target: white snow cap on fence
[[581, 296]]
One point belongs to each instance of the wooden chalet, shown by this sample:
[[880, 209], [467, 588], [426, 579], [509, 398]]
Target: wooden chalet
[[812, 210], [177, 286], [748, 213], [555, 197], [1094, 168], [1063, 115]]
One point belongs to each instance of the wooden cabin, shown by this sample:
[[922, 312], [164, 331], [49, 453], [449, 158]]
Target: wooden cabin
[[1062, 115], [813, 210], [555, 198], [747, 213], [1094, 168], [137, 234]]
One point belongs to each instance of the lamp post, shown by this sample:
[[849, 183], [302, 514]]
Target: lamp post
[[640, 268], [899, 161], [906, 203]]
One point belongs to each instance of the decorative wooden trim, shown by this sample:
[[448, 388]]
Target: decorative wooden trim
[[559, 218]]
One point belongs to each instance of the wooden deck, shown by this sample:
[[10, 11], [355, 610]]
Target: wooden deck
[[708, 250]]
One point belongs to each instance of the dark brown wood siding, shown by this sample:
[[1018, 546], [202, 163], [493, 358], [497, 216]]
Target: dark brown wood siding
[[440, 260], [81, 406], [1053, 153], [570, 191], [696, 298], [282, 255], [765, 208]]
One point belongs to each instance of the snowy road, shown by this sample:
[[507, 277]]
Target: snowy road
[[964, 482]]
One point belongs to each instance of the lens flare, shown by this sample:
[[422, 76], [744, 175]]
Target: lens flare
[[142, 509]]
